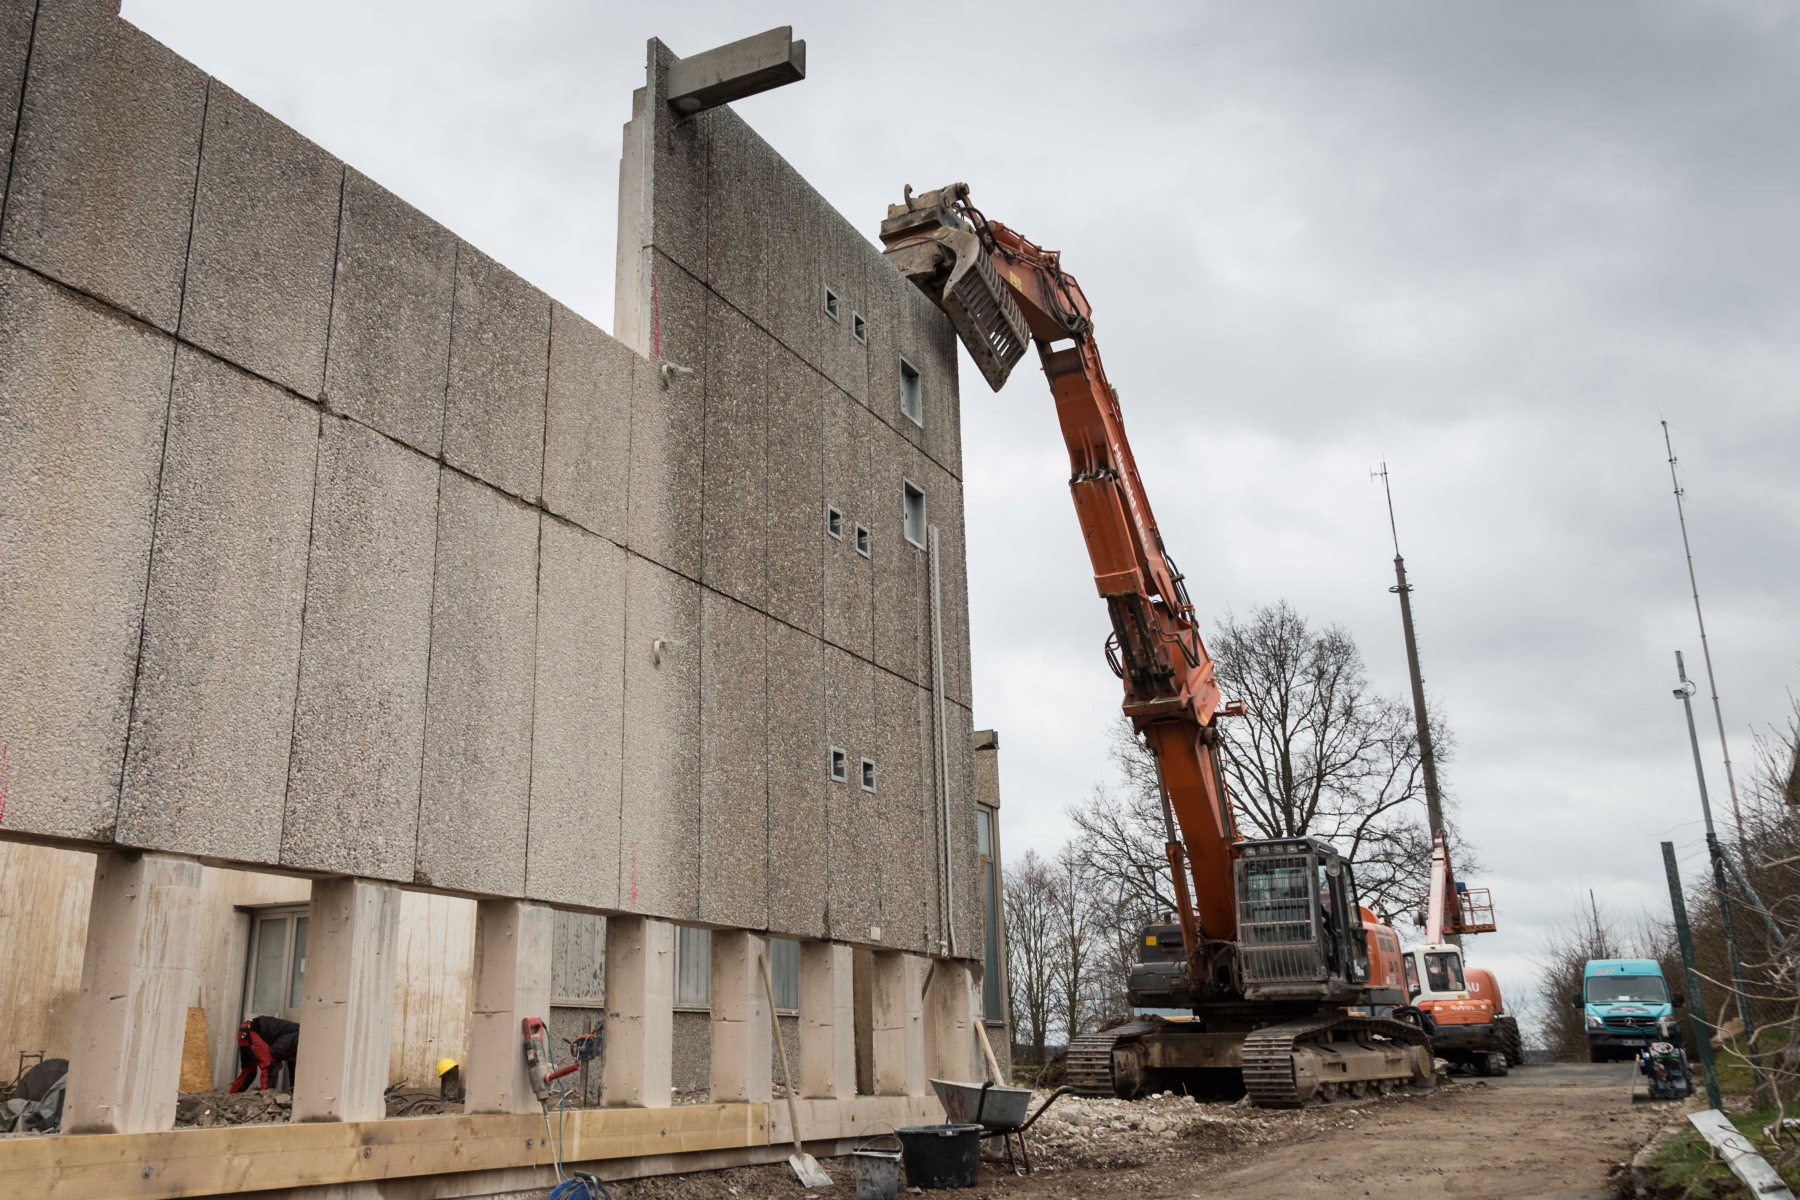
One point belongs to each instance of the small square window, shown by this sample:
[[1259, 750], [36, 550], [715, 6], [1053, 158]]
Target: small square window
[[862, 540], [859, 328], [834, 522], [831, 305], [912, 389], [913, 512], [868, 775], [840, 765]]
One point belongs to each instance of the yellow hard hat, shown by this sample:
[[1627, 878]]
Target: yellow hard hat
[[446, 1064]]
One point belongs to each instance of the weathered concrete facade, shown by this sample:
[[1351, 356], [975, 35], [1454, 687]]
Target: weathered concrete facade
[[332, 546]]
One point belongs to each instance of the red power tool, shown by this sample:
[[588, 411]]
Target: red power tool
[[538, 1063]]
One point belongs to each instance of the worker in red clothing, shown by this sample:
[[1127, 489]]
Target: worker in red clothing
[[264, 1042]]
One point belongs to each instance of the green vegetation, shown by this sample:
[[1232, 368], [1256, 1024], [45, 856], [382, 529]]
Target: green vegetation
[[1685, 1165]]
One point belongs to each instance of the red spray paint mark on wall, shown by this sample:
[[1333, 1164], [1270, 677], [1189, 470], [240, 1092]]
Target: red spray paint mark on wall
[[2, 783]]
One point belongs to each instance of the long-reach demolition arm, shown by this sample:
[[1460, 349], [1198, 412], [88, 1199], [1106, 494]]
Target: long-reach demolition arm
[[1000, 289]]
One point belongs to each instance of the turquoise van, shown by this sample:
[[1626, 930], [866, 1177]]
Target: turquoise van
[[1627, 1005]]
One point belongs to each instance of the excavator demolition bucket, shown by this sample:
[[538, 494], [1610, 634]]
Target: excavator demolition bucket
[[934, 247]]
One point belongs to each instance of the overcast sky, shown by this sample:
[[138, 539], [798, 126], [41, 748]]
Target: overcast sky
[[1492, 244]]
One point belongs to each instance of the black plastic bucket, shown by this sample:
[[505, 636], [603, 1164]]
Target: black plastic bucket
[[941, 1156]]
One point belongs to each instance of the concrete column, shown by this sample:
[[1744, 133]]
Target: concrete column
[[951, 1051], [741, 1045], [511, 982], [347, 1002], [640, 1013], [137, 980], [827, 1021], [899, 1024]]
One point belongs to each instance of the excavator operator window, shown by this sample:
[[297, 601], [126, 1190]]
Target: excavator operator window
[[1412, 976], [1443, 971]]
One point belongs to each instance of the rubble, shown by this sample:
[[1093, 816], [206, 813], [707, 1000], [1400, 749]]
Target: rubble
[[202, 1110]]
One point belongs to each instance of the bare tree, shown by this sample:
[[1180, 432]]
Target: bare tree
[[1319, 752], [1031, 947], [1078, 917]]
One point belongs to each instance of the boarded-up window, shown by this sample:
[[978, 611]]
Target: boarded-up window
[[578, 960], [784, 966], [693, 968]]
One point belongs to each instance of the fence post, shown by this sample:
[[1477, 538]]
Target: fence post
[[1696, 1001]]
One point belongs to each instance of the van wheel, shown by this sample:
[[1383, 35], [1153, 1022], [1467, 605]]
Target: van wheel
[[1597, 1055]]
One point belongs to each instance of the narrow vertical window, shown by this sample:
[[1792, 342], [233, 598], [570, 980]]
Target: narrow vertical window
[[840, 765], [862, 539], [868, 774], [834, 522], [859, 328], [913, 513], [911, 397], [832, 309]]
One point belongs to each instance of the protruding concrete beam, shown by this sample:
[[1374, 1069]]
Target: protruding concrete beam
[[827, 1021], [137, 980], [951, 1051], [741, 1045], [512, 982], [640, 1013], [899, 1036], [347, 1002], [726, 73]]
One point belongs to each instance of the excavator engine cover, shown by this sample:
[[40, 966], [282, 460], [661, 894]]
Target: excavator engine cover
[[935, 248]]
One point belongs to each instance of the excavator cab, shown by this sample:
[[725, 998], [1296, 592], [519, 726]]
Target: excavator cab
[[1300, 926]]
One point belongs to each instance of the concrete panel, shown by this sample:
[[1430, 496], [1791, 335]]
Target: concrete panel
[[965, 856], [264, 244], [953, 560], [359, 723], [741, 197], [668, 428], [16, 18], [83, 397], [848, 577], [934, 341], [794, 274], [902, 573], [902, 807], [213, 721], [678, 155], [499, 370], [390, 316], [587, 435], [795, 504], [573, 857], [734, 760], [890, 338], [733, 518], [660, 818], [103, 171], [844, 360], [474, 804], [857, 874], [799, 784]]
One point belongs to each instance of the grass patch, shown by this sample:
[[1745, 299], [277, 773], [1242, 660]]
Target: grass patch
[[1686, 1166], [1734, 1068]]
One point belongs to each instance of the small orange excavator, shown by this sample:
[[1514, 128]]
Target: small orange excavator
[[1271, 950], [1471, 1030]]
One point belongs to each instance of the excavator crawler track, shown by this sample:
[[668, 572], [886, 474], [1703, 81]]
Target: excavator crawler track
[[1269, 1055], [1089, 1060]]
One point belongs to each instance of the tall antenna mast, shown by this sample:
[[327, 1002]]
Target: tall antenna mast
[[1427, 760], [1737, 816]]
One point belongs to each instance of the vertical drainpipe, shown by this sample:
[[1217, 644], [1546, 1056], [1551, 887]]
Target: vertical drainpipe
[[943, 740]]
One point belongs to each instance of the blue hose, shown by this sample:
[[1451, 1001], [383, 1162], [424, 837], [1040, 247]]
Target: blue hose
[[580, 1187]]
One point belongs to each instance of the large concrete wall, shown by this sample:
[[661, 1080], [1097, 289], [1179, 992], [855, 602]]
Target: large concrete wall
[[331, 545]]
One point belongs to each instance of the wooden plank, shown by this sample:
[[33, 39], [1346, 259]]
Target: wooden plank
[[196, 1065], [823, 1119], [248, 1158]]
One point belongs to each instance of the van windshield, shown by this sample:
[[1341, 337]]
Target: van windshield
[[1612, 989]]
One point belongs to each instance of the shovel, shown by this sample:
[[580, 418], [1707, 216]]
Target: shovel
[[807, 1167]]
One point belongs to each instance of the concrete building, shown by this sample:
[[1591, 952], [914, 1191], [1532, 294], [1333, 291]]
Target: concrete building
[[348, 574]]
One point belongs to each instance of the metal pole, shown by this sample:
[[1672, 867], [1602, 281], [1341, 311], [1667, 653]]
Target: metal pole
[[1696, 1001], [1685, 693], [1737, 817]]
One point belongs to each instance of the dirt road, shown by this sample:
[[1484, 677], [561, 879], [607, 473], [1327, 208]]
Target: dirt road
[[1552, 1131]]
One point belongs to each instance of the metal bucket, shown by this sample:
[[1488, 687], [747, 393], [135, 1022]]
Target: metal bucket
[[877, 1167], [941, 1156]]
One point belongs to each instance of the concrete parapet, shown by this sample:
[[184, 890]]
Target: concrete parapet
[[499, 372], [213, 720], [108, 141], [84, 394], [136, 981], [390, 316], [264, 246]]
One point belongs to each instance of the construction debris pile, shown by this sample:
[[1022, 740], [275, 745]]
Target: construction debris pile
[[203, 1110], [1090, 1132]]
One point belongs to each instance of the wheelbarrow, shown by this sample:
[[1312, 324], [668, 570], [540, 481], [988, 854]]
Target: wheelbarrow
[[1002, 1112]]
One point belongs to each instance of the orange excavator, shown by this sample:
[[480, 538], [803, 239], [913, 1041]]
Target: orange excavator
[[1271, 951]]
